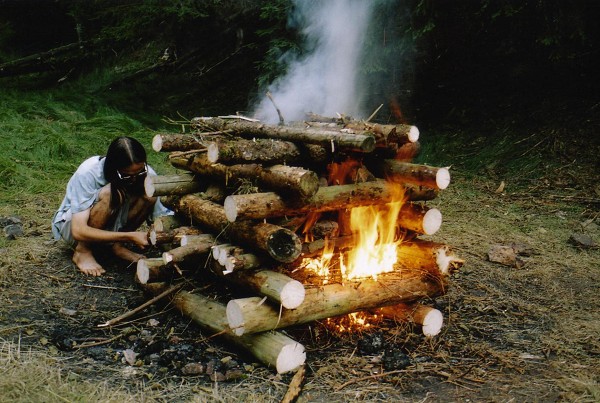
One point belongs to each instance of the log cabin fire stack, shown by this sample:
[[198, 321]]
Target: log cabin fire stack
[[316, 219]]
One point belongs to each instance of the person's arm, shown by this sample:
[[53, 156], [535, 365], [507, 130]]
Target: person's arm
[[82, 232]]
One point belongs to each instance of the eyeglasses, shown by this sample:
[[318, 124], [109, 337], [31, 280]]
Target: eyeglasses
[[131, 178]]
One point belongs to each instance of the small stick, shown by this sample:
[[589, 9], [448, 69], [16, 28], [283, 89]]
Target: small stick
[[281, 121], [144, 305], [104, 287], [374, 113], [99, 343], [364, 378]]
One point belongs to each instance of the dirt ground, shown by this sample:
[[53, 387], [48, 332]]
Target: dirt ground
[[525, 333]]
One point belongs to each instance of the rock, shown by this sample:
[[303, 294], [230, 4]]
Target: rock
[[371, 343], [502, 254], [67, 311], [13, 231], [193, 368], [582, 240], [233, 374], [217, 377], [129, 356], [394, 359]]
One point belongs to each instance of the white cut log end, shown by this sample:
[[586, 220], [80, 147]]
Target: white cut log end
[[152, 237], [215, 252], [212, 152], [149, 187], [291, 357], [167, 257], [413, 134], [142, 272], [230, 209], [235, 318], [157, 143], [432, 221], [432, 322], [442, 178], [292, 294]]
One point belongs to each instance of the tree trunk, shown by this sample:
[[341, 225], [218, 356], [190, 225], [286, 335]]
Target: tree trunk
[[281, 244], [286, 180], [249, 315], [273, 349], [326, 138], [162, 185], [387, 134]]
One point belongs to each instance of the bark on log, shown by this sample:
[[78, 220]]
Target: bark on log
[[162, 185], [417, 174], [244, 261], [240, 151], [419, 218], [430, 319], [286, 180], [325, 138], [248, 315], [408, 151], [273, 349], [281, 244], [201, 245]]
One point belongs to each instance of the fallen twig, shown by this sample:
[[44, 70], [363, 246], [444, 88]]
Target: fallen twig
[[126, 315], [295, 386], [104, 287], [365, 378]]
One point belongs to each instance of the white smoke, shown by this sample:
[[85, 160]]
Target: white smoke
[[324, 81]]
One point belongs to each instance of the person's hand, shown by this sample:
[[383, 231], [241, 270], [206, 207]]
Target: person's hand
[[140, 238]]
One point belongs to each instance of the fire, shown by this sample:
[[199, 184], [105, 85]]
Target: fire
[[374, 232]]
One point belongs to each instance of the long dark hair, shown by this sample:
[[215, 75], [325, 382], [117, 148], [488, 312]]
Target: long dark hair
[[121, 153]]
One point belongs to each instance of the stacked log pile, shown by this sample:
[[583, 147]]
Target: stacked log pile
[[259, 200]]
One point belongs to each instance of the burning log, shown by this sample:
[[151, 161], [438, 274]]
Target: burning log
[[162, 185], [429, 318], [417, 218], [325, 138], [273, 349], [200, 245], [422, 175], [281, 244], [287, 180], [249, 315], [408, 151]]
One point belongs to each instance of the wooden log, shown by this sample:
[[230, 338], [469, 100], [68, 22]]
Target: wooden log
[[161, 185], [286, 180], [326, 138], [330, 198], [273, 349], [201, 245], [244, 261], [249, 315], [276, 286], [430, 319], [150, 270], [408, 151], [419, 218], [423, 255], [265, 151], [171, 236], [281, 244], [416, 174], [386, 134], [166, 223], [166, 142]]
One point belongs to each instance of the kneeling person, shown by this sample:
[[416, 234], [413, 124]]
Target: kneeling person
[[105, 203]]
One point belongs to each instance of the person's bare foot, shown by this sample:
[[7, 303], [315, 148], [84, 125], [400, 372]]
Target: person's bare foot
[[122, 252], [86, 263]]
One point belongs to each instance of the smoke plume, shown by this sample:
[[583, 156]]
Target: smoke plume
[[325, 80]]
